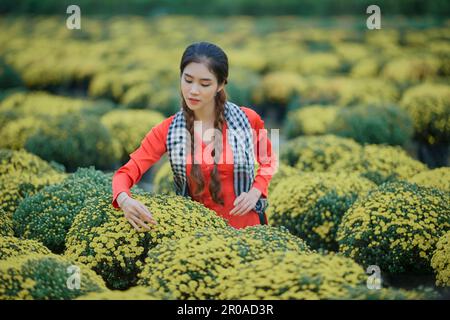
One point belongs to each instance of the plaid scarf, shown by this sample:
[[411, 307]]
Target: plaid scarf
[[240, 137]]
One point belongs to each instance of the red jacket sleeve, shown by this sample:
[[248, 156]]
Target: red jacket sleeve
[[265, 155], [152, 148]]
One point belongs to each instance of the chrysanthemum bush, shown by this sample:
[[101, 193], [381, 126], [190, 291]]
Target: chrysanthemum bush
[[130, 127], [367, 91], [163, 181], [277, 87], [137, 96], [242, 80], [320, 90], [429, 106], [6, 224], [102, 239], [317, 153], [344, 91], [42, 103], [21, 161], [14, 134], [366, 67], [135, 293], [396, 227], [440, 262], [39, 276], [105, 241], [8, 76], [318, 63], [380, 163], [47, 215], [28, 112], [438, 178], [351, 52], [291, 275], [137, 88], [188, 268], [75, 140], [23, 174], [411, 69], [311, 205], [441, 50], [12, 246], [310, 120], [365, 124], [265, 239], [284, 171]]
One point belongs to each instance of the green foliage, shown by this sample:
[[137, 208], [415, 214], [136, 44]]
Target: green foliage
[[373, 124], [48, 215], [129, 127], [6, 224], [311, 205], [163, 182], [8, 76], [310, 120], [379, 163], [363, 293], [429, 106], [43, 277], [188, 268], [13, 247], [135, 293], [437, 178], [22, 174], [440, 262], [105, 241], [395, 227], [75, 141], [317, 153], [290, 275]]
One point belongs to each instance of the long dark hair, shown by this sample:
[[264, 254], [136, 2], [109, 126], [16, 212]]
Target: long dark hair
[[217, 62]]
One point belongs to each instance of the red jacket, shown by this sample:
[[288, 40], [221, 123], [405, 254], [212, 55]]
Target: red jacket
[[153, 146]]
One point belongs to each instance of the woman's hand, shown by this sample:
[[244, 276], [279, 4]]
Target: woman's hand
[[245, 202], [136, 213]]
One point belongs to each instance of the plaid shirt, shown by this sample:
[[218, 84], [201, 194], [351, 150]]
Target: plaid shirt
[[240, 138]]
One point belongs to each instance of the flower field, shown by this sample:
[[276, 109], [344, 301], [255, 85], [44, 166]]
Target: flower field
[[364, 175]]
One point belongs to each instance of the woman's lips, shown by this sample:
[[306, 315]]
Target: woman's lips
[[194, 101]]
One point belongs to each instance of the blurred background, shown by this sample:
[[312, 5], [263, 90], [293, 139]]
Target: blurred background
[[310, 68], [363, 114]]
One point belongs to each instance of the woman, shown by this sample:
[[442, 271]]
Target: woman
[[218, 172]]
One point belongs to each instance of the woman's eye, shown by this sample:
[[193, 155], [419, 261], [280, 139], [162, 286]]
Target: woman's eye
[[203, 85]]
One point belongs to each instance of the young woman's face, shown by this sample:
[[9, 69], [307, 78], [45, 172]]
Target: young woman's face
[[199, 86]]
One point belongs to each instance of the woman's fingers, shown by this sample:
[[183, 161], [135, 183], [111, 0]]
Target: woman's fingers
[[140, 222], [133, 215], [245, 208], [146, 215], [236, 209], [239, 198], [239, 208], [134, 224], [137, 214]]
